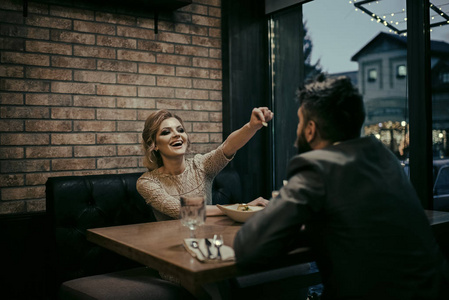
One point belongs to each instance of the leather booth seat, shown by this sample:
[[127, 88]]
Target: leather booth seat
[[77, 203]]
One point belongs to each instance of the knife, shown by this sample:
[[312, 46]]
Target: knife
[[208, 244]]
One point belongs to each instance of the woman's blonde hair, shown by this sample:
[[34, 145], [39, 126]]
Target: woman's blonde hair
[[152, 158]]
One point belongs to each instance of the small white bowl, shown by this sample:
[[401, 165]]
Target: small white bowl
[[237, 215]]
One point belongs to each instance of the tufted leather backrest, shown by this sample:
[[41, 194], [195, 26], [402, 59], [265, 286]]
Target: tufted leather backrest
[[77, 203]]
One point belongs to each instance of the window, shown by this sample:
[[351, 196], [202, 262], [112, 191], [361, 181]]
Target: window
[[372, 75], [444, 77], [401, 71]]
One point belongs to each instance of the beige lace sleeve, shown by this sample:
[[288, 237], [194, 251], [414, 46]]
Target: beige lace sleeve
[[155, 195], [213, 162]]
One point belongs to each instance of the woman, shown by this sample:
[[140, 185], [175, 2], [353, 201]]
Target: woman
[[171, 175]]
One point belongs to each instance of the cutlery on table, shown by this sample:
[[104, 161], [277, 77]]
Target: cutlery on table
[[195, 245], [208, 244], [218, 242]]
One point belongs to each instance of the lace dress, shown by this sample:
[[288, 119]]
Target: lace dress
[[163, 191]]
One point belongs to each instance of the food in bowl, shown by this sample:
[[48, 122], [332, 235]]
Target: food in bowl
[[239, 212]]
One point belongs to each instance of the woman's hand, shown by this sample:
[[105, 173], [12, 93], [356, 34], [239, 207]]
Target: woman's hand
[[260, 117], [259, 202]]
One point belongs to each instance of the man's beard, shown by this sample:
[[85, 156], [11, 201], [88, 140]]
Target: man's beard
[[302, 144]]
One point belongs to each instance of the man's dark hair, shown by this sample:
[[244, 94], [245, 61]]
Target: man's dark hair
[[335, 105]]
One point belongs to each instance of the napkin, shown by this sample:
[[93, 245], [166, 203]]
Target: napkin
[[227, 253]]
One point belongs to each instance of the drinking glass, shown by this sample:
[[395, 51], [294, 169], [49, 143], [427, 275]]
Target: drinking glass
[[193, 213]]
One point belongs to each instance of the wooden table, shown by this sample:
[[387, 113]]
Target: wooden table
[[159, 245]]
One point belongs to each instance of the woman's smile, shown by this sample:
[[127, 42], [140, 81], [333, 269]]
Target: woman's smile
[[171, 140]]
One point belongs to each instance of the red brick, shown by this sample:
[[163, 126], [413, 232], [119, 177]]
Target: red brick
[[174, 82], [11, 125], [24, 166], [115, 18], [215, 95], [117, 66], [193, 116], [133, 32], [72, 37], [199, 137], [191, 29], [216, 117], [129, 150], [11, 153], [72, 88], [46, 73], [94, 76], [116, 90], [136, 79], [25, 59], [94, 27], [214, 53], [215, 74], [21, 193], [195, 8], [116, 42], [202, 148], [94, 151], [206, 21], [174, 38], [94, 172], [94, 126], [156, 69], [206, 63], [191, 94], [41, 178], [47, 47], [155, 46], [73, 164], [116, 114], [73, 63], [206, 105], [207, 127], [174, 104], [173, 59], [11, 5], [11, 98], [191, 50], [136, 103], [13, 30], [145, 23], [136, 56], [11, 71], [116, 162], [20, 139], [24, 85], [216, 138], [206, 41], [89, 51], [117, 138], [215, 32], [72, 138], [48, 99], [51, 22], [48, 152], [45, 125], [155, 92], [182, 18], [215, 12], [12, 207], [23, 112], [11, 180], [135, 126], [36, 205], [207, 84], [93, 101], [73, 113], [192, 72], [38, 33], [72, 13], [11, 44], [210, 2], [38, 8]]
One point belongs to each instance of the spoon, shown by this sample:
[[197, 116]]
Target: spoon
[[218, 242], [195, 245]]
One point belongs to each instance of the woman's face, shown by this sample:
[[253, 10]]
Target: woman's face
[[171, 139]]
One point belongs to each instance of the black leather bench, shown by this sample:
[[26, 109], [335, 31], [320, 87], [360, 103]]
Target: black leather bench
[[77, 203]]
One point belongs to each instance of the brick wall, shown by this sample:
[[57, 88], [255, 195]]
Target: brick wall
[[77, 83]]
